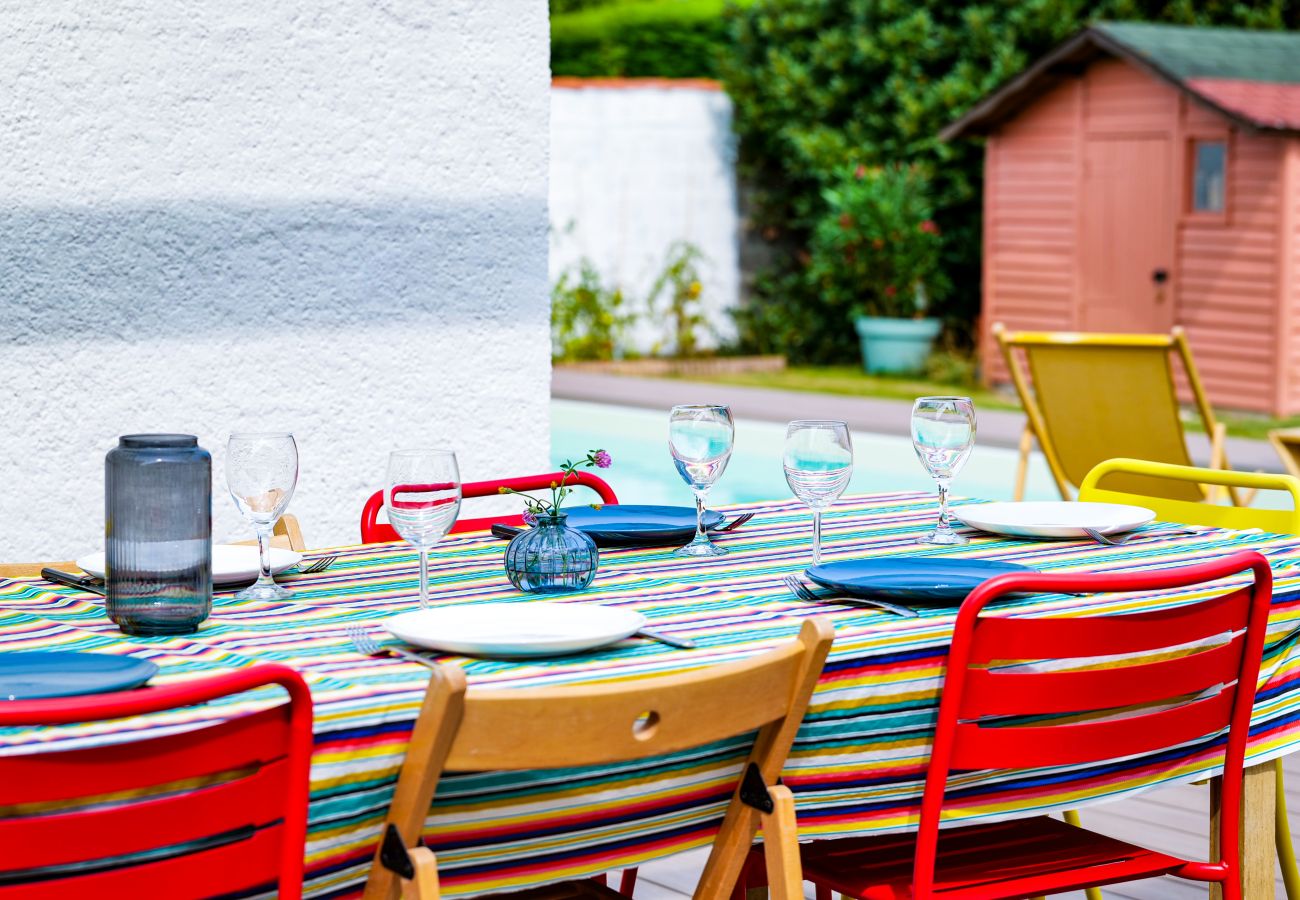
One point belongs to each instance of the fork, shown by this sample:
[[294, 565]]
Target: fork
[[803, 592], [368, 646], [735, 523], [319, 565], [1133, 535]]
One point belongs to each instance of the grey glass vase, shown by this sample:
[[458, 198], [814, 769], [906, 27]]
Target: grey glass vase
[[158, 534], [551, 558]]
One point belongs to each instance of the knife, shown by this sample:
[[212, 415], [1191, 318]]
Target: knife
[[81, 582]]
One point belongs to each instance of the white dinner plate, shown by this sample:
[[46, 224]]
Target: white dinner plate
[[231, 563], [534, 628], [1052, 518]]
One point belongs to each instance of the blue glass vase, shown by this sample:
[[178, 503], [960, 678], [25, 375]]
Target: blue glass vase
[[158, 534], [551, 558]]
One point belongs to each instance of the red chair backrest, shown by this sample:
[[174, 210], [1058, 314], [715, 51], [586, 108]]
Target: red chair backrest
[[1178, 692], [374, 532], [214, 810]]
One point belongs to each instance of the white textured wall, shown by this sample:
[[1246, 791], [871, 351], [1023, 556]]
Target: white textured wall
[[635, 168], [315, 215]]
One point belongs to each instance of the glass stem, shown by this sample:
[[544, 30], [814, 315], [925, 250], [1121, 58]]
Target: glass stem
[[700, 536], [943, 505], [424, 577], [817, 537], [264, 553]]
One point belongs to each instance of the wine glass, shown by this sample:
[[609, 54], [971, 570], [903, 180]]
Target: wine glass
[[818, 461], [262, 472], [700, 438], [943, 433], [422, 497]]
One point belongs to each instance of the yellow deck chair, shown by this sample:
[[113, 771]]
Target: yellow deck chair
[[1091, 397], [1277, 521], [1286, 441]]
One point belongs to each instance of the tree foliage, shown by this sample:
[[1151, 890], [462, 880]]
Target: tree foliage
[[824, 86], [640, 38]]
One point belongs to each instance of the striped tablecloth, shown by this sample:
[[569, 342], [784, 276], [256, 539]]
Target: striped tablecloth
[[858, 761]]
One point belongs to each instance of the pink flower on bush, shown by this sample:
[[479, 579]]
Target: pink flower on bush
[[929, 227], [890, 290], [602, 459], [860, 172]]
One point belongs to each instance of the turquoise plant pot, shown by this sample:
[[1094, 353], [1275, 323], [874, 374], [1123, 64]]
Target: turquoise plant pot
[[895, 346]]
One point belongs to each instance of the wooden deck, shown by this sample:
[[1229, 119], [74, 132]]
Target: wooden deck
[[1174, 820]]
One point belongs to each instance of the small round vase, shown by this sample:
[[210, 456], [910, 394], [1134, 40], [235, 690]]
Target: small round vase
[[551, 558]]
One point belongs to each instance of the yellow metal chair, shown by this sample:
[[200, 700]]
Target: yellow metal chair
[[1091, 397], [1276, 521]]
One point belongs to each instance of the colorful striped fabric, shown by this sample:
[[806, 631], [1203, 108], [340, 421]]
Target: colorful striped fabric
[[856, 766]]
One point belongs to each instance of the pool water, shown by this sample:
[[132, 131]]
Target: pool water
[[643, 470]]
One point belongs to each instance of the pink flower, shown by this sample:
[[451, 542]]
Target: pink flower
[[929, 227], [890, 290], [860, 172], [602, 459], [530, 519]]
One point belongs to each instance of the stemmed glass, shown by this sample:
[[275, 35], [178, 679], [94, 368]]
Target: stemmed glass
[[943, 433], [262, 472], [818, 462], [422, 497], [700, 438]]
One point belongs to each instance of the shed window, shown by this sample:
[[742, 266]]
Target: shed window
[[1209, 167]]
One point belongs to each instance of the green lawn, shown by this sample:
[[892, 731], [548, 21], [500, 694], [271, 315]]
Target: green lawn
[[853, 381]]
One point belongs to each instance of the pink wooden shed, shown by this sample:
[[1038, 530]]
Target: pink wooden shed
[[1144, 176]]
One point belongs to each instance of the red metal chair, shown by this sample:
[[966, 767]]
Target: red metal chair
[[1181, 696], [374, 532], [217, 810]]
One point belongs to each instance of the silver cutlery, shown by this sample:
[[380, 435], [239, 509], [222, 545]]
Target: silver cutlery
[[670, 640], [368, 646], [803, 592], [319, 565], [1121, 540], [87, 583], [735, 523]]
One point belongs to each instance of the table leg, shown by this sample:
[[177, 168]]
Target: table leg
[[1257, 798]]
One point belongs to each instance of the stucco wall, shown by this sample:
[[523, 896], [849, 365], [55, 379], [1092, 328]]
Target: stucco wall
[[322, 217], [635, 166]]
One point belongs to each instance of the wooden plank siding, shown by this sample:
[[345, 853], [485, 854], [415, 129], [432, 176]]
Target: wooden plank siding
[[1030, 222], [1229, 274]]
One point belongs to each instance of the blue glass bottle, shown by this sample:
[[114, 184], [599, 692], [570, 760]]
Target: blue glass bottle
[[551, 558], [158, 533]]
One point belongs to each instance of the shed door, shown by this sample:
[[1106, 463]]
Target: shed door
[[1126, 235]]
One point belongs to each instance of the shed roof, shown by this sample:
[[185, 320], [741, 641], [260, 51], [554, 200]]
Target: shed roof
[[1250, 77]]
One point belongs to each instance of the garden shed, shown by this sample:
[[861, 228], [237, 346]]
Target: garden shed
[[1143, 176]]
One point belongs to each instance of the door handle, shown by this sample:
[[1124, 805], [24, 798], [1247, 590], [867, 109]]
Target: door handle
[[1160, 276]]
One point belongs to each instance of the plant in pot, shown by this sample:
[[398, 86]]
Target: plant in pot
[[876, 251]]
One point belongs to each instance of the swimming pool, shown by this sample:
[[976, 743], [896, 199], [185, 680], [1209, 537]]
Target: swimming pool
[[643, 470]]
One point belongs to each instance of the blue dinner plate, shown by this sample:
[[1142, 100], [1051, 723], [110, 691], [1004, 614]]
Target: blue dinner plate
[[628, 524], [33, 674], [913, 579]]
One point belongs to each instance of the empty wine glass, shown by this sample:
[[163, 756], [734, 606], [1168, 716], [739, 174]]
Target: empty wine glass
[[422, 497], [700, 438], [943, 433], [262, 472], [818, 462]]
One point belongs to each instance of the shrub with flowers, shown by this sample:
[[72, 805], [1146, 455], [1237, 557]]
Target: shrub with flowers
[[536, 506], [876, 251]]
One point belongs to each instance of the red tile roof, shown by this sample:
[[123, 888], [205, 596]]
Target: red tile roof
[[1264, 103]]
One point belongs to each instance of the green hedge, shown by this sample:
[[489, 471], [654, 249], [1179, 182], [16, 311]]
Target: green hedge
[[641, 38]]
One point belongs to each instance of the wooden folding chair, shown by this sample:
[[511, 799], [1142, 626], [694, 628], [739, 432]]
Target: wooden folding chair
[[287, 534], [1286, 441], [460, 730], [1092, 397]]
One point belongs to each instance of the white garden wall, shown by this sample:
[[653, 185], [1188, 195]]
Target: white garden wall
[[327, 217], [635, 166]]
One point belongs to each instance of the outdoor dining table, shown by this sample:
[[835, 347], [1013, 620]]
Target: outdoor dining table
[[856, 766]]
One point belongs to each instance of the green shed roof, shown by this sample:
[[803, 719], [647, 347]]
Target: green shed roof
[[1185, 51], [1249, 77]]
